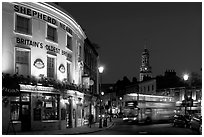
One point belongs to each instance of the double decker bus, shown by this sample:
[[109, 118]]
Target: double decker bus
[[151, 108]]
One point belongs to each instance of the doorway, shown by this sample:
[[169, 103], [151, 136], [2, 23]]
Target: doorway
[[25, 117], [25, 112]]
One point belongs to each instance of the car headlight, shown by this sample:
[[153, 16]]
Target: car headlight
[[125, 118]]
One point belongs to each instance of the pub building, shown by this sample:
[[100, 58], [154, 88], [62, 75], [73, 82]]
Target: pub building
[[42, 68]]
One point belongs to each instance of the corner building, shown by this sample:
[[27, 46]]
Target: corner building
[[42, 67]]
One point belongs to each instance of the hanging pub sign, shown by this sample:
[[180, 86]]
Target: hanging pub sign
[[91, 82], [86, 82], [62, 68], [38, 63]]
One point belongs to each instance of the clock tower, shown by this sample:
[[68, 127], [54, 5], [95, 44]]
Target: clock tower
[[145, 69]]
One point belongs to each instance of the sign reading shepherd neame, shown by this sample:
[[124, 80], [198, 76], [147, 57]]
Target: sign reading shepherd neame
[[34, 13]]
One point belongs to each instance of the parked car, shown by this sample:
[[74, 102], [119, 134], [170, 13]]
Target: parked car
[[181, 120], [196, 122]]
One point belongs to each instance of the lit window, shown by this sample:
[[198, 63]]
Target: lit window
[[69, 42], [23, 25], [50, 67], [15, 108], [22, 62], [51, 33], [50, 107]]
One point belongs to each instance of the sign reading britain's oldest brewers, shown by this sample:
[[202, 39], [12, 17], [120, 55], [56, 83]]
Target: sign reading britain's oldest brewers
[[41, 46]]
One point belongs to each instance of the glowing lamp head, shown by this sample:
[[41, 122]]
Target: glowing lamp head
[[185, 77], [101, 68], [102, 93]]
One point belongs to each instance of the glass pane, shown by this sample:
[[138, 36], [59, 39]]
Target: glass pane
[[16, 99], [25, 97], [22, 24], [15, 109]]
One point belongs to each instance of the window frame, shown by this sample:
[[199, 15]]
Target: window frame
[[69, 45], [55, 37], [54, 109], [54, 71], [29, 32], [23, 63]]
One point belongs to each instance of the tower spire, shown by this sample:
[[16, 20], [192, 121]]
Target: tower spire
[[145, 68], [145, 44]]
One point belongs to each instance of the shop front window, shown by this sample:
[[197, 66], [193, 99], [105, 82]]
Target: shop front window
[[15, 108], [50, 107]]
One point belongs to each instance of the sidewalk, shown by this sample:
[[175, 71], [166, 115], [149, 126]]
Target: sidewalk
[[69, 131]]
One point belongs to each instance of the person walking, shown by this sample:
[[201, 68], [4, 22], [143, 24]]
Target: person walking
[[90, 120]]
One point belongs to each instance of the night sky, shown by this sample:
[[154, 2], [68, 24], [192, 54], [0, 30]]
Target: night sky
[[172, 31]]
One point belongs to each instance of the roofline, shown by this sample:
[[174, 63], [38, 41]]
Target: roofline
[[64, 13]]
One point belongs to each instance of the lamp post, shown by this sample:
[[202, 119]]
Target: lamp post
[[100, 69], [120, 105], [185, 77]]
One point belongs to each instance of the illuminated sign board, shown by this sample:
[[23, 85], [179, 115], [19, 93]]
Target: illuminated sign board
[[35, 88], [131, 104]]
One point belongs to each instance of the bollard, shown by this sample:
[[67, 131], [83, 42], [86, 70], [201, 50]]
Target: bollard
[[105, 122]]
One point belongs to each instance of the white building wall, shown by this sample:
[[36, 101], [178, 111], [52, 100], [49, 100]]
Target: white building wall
[[39, 35]]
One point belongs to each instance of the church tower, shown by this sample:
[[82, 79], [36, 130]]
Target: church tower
[[145, 69]]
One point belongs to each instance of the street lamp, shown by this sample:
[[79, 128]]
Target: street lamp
[[185, 77], [120, 105], [100, 69]]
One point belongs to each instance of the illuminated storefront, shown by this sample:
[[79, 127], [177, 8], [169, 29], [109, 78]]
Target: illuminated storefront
[[41, 42]]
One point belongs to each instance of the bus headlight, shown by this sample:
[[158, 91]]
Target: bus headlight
[[125, 118]]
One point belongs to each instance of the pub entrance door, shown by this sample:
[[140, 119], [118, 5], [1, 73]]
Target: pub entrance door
[[25, 116]]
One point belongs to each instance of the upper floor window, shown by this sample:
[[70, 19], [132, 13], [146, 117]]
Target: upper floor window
[[68, 72], [52, 33], [50, 67], [69, 42], [22, 62], [23, 25], [152, 87]]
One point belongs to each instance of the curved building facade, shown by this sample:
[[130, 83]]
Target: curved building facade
[[42, 56]]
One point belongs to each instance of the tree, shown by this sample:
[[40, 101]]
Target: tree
[[126, 81], [134, 80], [196, 80]]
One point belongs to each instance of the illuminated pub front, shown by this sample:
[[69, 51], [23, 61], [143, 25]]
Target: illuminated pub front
[[42, 68]]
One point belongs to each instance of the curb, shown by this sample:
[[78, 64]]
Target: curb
[[93, 131]]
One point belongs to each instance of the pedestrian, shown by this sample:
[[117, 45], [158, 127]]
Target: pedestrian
[[90, 120]]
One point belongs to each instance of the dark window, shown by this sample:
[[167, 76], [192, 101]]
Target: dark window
[[69, 42], [50, 67], [68, 72], [152, 87], [22, 62], [51, 33], [23, 24]]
